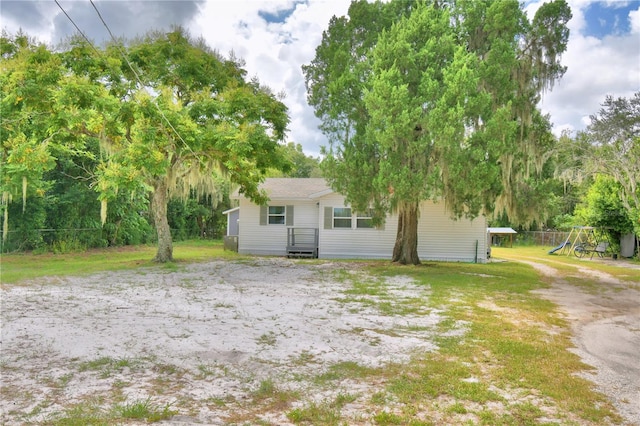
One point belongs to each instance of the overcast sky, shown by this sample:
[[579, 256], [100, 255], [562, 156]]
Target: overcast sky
[[276, 37]]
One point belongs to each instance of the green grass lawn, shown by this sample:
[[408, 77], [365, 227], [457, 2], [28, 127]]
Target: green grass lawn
[[515, 354], [15, 268], [622, 269]]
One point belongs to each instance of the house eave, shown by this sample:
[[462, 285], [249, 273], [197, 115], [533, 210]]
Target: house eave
[[320, 194], [231, 210]]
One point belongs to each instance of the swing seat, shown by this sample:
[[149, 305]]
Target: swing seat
[[600, 249]]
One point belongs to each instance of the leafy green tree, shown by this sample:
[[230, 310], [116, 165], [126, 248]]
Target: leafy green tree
[[29, 74], [569, 170], [614, 149], [302, 165], [438, 101], [173, 118], [164, 117], [204, 124], [51, 105], [603, 207]]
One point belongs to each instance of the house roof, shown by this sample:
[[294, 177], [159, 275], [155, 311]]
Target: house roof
[[231, 210], [293, 188]]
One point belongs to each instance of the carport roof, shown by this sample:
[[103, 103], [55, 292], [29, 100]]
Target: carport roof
[[501, 231]]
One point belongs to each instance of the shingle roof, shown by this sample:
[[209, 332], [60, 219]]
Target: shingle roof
[[295, 188]]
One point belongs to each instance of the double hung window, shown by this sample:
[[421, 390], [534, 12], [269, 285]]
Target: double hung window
[[341, 217], [276, 215], [347, 218], [364, 220]]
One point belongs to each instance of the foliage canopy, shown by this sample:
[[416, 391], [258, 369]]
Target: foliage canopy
[[172, 118], [437, 100]]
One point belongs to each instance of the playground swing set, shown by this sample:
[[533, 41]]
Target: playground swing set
[[584, 240]]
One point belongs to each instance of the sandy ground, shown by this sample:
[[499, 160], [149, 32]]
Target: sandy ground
[[213, 332], [606, 329], [209, 334]]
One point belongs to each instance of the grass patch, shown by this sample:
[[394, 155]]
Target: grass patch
[[374, 292], [209, 370], [92, 413], [81, 415], [366, 286], [303, 359], [268, 397], [26, 266], [506, 350], [570, 263], [345, 370], [267, 339], [143, 410], [108, 366], [276, 397], [326, 413]]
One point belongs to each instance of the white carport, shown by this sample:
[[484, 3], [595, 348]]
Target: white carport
[[501, 233]]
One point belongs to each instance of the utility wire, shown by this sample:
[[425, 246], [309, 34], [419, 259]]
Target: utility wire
[[78, 28], [136, 75]]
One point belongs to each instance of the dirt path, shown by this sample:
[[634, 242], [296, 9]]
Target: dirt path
[[606, 328], [208, 336]]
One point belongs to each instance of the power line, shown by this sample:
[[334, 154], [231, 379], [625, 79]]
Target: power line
[[78, 28], [115, 41], [137, 77], [124, 56]]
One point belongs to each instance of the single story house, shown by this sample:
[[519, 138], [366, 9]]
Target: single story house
[[304, 216]]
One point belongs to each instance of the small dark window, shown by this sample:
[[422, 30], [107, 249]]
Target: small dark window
[[341, 217], [364, 220], [276, 215]]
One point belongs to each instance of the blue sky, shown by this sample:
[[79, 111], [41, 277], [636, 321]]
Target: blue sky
[[602, 58], [276, 37], [278, 16], [605, 18]]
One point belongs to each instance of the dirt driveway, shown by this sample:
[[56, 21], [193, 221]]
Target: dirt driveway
[[606, 328], [207, 336]]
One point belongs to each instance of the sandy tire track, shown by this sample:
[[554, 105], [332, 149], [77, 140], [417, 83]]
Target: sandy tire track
[[606, 330]]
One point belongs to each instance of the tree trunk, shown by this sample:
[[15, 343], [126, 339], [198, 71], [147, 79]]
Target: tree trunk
[[405, 251], [159, 211]]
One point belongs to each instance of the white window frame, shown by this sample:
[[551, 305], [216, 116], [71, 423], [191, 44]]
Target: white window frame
[[366, 217], [283, 215], [342, 218]]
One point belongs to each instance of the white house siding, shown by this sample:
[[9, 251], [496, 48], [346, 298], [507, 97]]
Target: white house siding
[[442, 238], [439, 237], [272, 239], [368, 243]]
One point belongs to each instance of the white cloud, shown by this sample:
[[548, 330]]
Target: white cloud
[[595, 68], [634, 19], [617, 3], [274, 52], [40, 26]]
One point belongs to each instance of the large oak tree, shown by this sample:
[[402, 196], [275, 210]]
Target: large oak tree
[[172, 117], [190, 120], [437, 100]]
